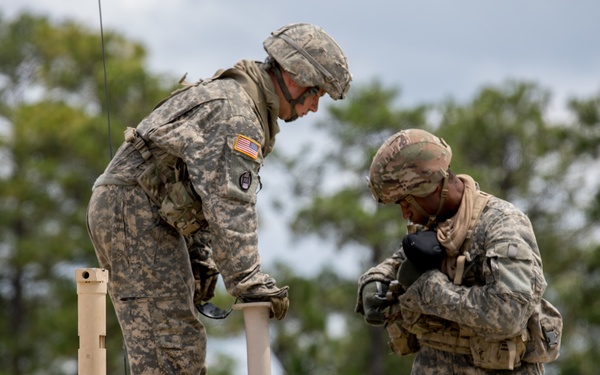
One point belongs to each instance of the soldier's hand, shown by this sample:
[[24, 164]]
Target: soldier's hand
[[408, 273], [424, 250], [375, 302], [204, 268], [206, 276], [280, 304], [278, 297]]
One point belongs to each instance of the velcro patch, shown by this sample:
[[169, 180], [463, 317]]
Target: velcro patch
[[247, 146], [245, 180]]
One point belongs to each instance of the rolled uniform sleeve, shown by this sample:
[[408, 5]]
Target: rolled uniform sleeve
[[512, 270]]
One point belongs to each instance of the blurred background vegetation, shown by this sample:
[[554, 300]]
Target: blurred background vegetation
[[54, 143]]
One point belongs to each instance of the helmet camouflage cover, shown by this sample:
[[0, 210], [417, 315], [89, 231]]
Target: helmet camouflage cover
[[311, 57], [410, 162]]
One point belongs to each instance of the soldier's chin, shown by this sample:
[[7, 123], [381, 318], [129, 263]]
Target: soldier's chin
[[291, 119]]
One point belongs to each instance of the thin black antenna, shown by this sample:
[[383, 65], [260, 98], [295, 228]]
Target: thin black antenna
[[107, 116], [105, 81]]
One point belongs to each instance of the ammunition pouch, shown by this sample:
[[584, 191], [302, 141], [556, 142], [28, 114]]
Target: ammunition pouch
[[498, 355], [540, 343], [402, 342], [180, 209], [421, 330], [442, 335], [165, 180]]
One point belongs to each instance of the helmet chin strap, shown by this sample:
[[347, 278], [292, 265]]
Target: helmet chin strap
[[432, 218], [286, 93]]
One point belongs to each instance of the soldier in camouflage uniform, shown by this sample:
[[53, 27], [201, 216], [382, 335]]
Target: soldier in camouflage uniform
[[464, 292], [176, 206]]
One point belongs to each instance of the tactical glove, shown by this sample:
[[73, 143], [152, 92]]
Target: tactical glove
[[423, 249], [423, 252], [277, 296], [205, 277], [375, 302], [408, 273], [204, 268]]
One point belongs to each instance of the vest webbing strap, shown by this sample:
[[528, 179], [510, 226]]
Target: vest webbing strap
[[482, 199]]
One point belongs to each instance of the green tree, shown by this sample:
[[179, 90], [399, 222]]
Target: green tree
[[544, 167], [577, 272], [505, 139], [54, 143]]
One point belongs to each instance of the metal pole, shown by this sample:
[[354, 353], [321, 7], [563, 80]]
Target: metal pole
[[258, 345], [91, 319]]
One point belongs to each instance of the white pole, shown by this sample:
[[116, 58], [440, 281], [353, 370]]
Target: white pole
[[91, 319], [258, 345]]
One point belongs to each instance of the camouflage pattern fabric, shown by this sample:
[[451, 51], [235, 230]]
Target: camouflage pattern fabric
[[311, 57], [429, 361], [151, 283], [204, 268], [216, 129], [501, 289], [506, 284], [411, 162]]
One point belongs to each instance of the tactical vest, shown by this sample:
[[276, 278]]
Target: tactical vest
[[539, 343]]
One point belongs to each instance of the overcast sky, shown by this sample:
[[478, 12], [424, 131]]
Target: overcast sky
[[430, 49]]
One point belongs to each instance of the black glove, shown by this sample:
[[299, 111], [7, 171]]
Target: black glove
[[423, 249], [375, 302], [423, 252], [408, 273]]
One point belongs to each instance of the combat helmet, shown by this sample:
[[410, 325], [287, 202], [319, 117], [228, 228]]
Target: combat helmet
[[311, 57], [410, 163]]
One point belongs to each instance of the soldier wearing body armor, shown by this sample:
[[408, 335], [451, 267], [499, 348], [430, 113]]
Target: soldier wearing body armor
[[176, 206], [464, 291]]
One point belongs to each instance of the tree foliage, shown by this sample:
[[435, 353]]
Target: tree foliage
[[54, 142], [506, 139]]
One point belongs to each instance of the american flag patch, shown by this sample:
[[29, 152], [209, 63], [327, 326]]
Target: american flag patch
[[247, 146]]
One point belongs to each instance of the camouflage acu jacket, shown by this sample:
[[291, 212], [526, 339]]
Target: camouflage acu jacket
[[221, 132], [503, 284]]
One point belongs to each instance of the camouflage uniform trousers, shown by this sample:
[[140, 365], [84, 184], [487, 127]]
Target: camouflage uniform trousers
[[429, 361], [150, 284]]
